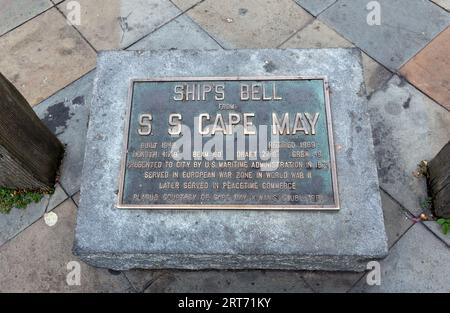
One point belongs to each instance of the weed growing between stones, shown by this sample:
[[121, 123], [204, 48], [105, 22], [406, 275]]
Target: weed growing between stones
[[445, 224], [20, 199], [427, 205]]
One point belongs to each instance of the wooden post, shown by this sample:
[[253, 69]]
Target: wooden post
[[29, 153], [439, 182]]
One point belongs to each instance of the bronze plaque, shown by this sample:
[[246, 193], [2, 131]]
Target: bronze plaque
[[229, 143]]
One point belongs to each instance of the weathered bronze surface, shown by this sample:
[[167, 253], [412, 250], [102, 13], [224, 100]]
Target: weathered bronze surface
[[227, 162]]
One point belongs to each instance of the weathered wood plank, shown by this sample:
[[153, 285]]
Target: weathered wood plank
[[439, 182], [29, 153]]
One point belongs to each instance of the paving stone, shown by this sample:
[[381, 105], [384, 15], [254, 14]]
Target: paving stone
[[319, 35], [181, 33], [430, 69], [250, 23], [114, 24], [14, 13], [331, 282], [66, 114], [36, 261], [406, 27], [229, 281], [443, 3], [395, 218], [141, 279], [315, 7], [76, 198], [56, 198], [44, 55], [437, 230], [417, 263], [185, 4], [408, 127], [375, 74], [18, 219]]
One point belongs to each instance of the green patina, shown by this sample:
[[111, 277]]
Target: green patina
[[230, 120]]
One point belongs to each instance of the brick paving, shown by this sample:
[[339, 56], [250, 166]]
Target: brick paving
[[429, 70], [406, 68]]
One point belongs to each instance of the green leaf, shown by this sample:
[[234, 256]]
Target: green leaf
[[441, 221], [445, 228], [20, 199]]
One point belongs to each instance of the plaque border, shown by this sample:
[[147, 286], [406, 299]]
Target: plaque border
[[326, 90]]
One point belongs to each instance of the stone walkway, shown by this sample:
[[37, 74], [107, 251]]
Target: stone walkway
[[407, 71]]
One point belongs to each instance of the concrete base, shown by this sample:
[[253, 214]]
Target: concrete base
[[203, 239]]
